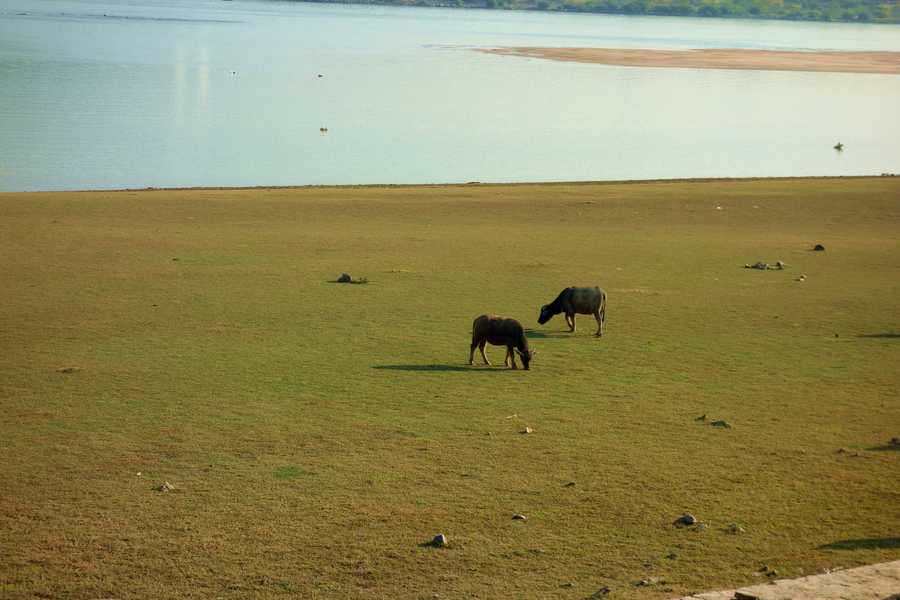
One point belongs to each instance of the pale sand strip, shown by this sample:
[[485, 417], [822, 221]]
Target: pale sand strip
[[758, 60], [872, 582]]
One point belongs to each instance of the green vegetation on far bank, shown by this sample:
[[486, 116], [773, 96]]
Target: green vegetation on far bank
[[865, 11], [317, 434]]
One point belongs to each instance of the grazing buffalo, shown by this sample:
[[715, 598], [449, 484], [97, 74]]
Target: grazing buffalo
[[580, 300], [500, 331]]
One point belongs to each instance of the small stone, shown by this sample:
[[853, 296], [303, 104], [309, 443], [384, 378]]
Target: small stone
[[599, 593], [439, 541], [819, 248], [735, 529], [344, 278], [722, 424], [567, 584], [527, 430], [745, 596], [570, 484], [518, 517], [701, 417], [165, 487], [779, 265], [702, 527], [686, 519], [671, 556], [68, 370], [175, 259]]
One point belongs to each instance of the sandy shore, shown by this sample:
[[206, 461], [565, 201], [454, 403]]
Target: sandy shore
[[759, 60]]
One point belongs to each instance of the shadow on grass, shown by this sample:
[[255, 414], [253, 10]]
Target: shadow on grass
[[889, 447], [887, 336], [540, 335], [864, 544], [441, 368]]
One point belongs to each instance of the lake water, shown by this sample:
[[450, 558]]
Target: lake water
[[120, 93]]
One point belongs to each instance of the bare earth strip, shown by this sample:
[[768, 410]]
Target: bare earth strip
[[872, 582], [758, 60]]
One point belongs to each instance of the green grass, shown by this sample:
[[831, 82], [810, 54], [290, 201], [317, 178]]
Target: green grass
[[317, 434]]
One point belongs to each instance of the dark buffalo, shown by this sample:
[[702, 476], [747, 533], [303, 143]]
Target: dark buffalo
[[580, 300], [500, 331]]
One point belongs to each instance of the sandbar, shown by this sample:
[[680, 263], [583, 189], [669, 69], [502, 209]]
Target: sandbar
[[719, 58]]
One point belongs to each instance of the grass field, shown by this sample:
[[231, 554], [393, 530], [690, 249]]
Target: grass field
[[317, 434]]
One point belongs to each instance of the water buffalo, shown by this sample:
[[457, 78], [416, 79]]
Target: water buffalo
[[580, 300], [500, 331]]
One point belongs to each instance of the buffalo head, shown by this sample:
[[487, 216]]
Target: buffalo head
[[546, 314], [526, 357]]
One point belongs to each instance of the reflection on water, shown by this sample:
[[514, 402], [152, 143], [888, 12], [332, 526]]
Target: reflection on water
[[114, 93]]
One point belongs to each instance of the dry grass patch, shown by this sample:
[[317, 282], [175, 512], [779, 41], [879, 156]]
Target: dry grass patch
[[318, 434]]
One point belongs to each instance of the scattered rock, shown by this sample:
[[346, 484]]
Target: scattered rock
[[745, 596], [702, 527], [671, 556], [734, 529], [701, 417], [818, 248], [768, 571], [518, 517], [722, 424], [570, 484], [764, 266], [165, 487], [344, 278], [527, 430], [647, 582], [69, 370], [686, 519], [439, 541], [801, 278], [567, 584], [599, 593]]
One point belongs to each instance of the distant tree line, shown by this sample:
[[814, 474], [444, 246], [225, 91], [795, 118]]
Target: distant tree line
[[867, 11]]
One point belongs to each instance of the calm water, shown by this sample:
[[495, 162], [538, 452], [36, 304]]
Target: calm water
[[187, 93]]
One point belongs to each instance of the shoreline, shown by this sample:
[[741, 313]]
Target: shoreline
[[453, 185], [821, 61]]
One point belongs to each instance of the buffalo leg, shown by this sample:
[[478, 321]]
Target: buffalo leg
[[512, 357], [483, 355], [599, 318], [570, 321], [480, 346]]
